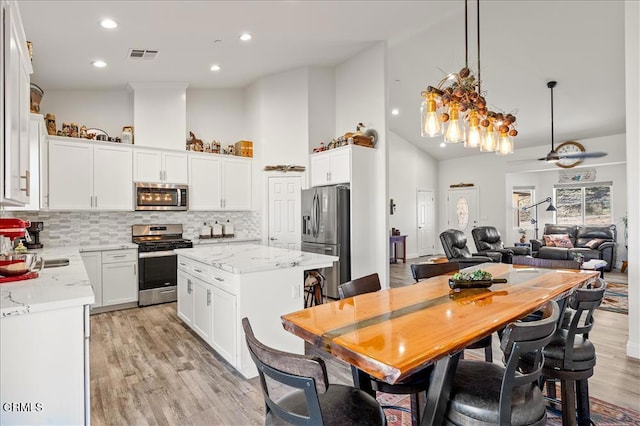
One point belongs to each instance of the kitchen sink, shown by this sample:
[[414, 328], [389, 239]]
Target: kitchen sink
[[55, 263]]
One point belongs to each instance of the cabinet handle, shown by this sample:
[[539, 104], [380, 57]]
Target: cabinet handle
[[160, 174], [119, 255], [183, 264], [135, 269], [96, 203], [189, 286], [208, 297], [219, 279], [91, 201], [197, 270], [27, 178]]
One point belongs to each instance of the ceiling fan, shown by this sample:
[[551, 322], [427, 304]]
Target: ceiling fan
[[568, 154]]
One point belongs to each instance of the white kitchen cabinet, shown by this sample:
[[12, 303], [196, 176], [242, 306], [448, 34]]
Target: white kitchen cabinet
[[119, 277], [86, 175], [219, 182], [331, 167], [15, 93], [45, 367], [38, 167], [93, 264], [114, 277], [202, 308], [223, 332], [185, 297], [152, 165]]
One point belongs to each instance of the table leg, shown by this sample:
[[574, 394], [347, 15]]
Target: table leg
[[362, 381], [439, 389]]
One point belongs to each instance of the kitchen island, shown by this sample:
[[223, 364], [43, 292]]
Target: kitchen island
[[220, 285], [44, 352]]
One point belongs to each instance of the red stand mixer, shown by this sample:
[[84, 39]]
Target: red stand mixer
[[15, 266]]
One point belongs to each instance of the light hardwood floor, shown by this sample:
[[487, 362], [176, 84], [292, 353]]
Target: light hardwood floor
[[147, 368]]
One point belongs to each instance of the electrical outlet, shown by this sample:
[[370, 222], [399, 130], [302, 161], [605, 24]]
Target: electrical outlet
[[295, 291]]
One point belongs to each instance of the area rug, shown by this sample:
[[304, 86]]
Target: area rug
[[616, 298], [602, 413]]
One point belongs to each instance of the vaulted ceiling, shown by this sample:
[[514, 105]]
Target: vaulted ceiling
[[524, 44]]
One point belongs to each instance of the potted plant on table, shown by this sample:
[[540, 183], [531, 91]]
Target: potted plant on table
[[523, 235]]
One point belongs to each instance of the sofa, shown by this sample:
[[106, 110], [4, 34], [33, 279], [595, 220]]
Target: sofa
[[566, 242]]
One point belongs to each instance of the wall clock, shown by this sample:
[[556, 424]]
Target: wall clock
[[569, 149]]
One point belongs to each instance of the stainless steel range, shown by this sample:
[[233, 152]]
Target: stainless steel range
[[157, 263]]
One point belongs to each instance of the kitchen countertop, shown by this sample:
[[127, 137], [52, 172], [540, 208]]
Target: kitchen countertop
[[55, 288], [248, 258], [101, 247]]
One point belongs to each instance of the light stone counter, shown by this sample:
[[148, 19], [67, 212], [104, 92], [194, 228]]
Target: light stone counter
[[55, 288], [102, 247], [248, 258], [198, 241]]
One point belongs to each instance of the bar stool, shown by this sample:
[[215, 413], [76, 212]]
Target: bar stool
[[313, 285], [570, 356]]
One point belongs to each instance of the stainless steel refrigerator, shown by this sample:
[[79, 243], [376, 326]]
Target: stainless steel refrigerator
[[326, 230]]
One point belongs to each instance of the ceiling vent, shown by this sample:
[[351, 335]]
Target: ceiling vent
[[143, 54]]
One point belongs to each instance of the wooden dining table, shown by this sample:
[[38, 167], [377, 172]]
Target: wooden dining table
[[391, 334]]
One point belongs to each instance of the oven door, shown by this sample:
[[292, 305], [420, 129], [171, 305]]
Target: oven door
[[158, 278]]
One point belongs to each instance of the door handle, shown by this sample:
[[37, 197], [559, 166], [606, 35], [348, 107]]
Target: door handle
[[27, 178], [272, 239]]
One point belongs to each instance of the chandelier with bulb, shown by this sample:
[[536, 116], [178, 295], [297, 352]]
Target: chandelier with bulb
[[457, 108]]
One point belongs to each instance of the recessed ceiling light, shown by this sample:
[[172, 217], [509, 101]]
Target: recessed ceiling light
[[395, 111], [245, 37], [99, 64], [215, 67], [442, 144], [108, 24]]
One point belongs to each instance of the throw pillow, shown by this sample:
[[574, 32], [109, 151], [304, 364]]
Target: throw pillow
[[548, 241], [595, 243], [561, 240]]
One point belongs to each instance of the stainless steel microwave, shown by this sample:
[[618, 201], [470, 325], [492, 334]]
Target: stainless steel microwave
[[161, 196]]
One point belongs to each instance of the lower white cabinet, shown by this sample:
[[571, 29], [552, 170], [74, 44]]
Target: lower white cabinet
[[202, 309], [44, 365], [113, 275], [223, 333], [185, 297]]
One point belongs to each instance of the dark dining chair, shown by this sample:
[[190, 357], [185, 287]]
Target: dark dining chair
[[484, 393], [421, 271], [314, 401], [546, 263], [570, 356], [414, 384]]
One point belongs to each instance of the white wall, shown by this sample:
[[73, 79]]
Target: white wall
[[217, 114], [361, 96], [411, 169], [277, 108], [322, 106], [632, 84], [107, 110]]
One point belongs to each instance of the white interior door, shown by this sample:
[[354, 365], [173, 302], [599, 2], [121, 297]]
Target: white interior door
[[426, 223], [285, 212], [462, 211]]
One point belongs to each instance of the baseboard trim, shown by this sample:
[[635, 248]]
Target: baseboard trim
[[633, 349]]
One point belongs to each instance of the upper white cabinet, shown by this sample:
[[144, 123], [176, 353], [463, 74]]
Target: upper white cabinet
[[159, 166], [331, 167], [89, 175], [15, 65], [219, 182]]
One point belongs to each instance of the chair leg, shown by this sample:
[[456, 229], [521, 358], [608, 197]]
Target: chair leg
[[568, 395], [584, 412], [415, 410], [488, 353]]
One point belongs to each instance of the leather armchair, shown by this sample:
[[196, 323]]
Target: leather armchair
[[488, 239], [454, 243]]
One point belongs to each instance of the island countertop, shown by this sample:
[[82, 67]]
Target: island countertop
[[248, 258], [55, 288]]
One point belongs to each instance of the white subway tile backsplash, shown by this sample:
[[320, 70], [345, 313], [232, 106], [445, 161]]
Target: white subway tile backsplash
[[88, 228]]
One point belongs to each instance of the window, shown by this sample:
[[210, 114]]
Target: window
[[583, 204], [522, 197]]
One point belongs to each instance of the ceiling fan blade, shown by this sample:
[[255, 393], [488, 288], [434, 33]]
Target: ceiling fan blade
[[583, 155]]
